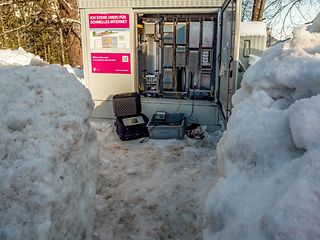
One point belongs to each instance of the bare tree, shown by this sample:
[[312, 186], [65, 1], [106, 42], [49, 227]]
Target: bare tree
[[247, 6], [290, 13], [284, 13]]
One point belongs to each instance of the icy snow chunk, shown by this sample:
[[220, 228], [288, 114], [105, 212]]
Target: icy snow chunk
[[37, 61], [305, 43], [282, 204], [264, 136], [48, 154], [253, 59], [76, 71], [304, 116], [17, 57], [17, 124], [296, 214], [288, 71]]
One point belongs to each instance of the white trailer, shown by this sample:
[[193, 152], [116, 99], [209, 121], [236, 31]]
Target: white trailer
[[181, 55]]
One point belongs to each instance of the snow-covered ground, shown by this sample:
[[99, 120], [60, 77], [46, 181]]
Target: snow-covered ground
[[269, 157], [152, 190], [48, 151]]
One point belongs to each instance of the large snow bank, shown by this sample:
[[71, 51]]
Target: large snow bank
[[48, 154], [269, 155], [253, 28]]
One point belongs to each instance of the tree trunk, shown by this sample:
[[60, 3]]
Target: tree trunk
[[49, 53], [70, 11], [62, 46], [257, 11], [2, 29], [18, 38], [75, 51], [263, 3], [45, 52]]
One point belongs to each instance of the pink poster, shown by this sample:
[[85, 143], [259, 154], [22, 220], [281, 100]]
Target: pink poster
[[109, 20], [118, 63]]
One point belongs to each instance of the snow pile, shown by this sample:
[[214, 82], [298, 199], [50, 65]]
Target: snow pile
[[20, 57], [253, 28], [253, 59], [270, 154], [78, 72], [48, 154]]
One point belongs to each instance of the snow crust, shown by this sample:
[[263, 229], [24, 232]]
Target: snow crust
[[253, 28], [48, 152], [269, 157]]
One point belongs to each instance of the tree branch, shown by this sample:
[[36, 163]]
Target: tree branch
[[16, 29]]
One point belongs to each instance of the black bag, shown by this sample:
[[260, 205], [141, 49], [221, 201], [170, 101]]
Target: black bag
[[130, 122]]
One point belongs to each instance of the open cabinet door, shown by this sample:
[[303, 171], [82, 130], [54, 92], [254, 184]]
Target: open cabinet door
[[228, 53]]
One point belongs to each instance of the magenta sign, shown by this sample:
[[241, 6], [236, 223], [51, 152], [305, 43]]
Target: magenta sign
[[118, 63], [109, 20]]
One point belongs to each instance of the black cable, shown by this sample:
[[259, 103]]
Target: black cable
[[146, 139]]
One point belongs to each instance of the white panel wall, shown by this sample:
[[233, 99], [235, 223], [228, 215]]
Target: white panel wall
[[103, 85], [257, 47]]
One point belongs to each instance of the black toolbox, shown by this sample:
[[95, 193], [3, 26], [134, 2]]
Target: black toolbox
[[130, 123]]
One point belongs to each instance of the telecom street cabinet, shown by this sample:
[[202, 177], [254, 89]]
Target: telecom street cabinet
[[167, 50]]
